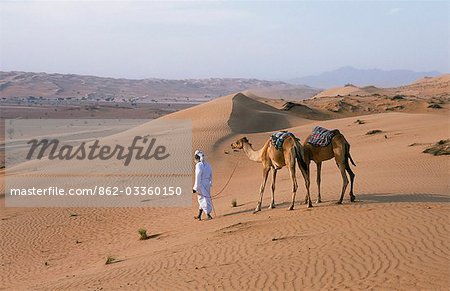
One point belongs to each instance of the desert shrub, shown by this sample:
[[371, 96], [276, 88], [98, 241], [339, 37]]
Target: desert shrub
[[143, 233], [374, 131], [440, 148], [233, 203], [110, 260], [435, 106], [288, 106], [393, 108]]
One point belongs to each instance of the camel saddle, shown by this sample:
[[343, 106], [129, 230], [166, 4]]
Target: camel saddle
[[321, 137], [278, 138]]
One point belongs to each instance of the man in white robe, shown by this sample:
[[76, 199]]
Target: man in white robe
[[202, 185]]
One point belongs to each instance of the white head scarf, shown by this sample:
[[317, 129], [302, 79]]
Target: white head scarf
[[200, 154]]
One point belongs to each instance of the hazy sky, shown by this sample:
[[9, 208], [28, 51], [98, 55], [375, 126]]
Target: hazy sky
[[266, 40]]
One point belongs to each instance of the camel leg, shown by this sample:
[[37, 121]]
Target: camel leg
[[319, 169], [307, 184], [261, 189], [352, 178], [344, 181], [294, 184], [274, 176]]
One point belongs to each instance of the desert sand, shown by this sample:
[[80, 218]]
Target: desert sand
[[395, 236]]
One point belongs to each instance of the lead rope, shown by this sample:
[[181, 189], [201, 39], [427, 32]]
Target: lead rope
[[224, 186], [228, 181]]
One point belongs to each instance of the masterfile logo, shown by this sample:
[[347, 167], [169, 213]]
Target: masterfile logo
[[98, 163], [54, 150]]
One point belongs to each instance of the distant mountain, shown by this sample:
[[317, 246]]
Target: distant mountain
[[81, 87], [360, 77]]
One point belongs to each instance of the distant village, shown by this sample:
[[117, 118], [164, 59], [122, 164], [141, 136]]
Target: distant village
[[92, 98]]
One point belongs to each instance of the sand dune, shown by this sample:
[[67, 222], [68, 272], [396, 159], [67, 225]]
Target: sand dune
[[338, 107], [343, 91], [396, 235], [426, 87], [250, 116], [209, 122]]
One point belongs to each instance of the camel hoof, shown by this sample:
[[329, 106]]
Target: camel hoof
[[310, 205], [256, 211], [291, 208], [352, 198], [318, 201], [272, 206], [339, 202]]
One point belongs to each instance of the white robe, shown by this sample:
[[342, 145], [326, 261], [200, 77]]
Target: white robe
[[203, 182]]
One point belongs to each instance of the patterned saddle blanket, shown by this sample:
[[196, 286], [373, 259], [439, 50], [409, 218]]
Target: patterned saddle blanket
[[321, 137], [278, 138]]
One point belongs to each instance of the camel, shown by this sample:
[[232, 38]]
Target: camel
[[273, 159], [339, 149]]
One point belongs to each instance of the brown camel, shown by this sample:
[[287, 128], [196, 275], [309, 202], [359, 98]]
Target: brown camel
[[339, 149], [273, 159]]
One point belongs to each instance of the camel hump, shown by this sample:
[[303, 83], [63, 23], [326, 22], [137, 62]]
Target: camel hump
[[277, 139], [321, 136], [335, 132]]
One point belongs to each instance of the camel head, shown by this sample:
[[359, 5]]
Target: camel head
[[239, 144]]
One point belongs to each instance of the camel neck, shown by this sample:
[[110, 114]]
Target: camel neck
[[251, 153]]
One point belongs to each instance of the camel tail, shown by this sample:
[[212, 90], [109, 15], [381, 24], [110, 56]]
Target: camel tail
[[348, 155], [299, 155]]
